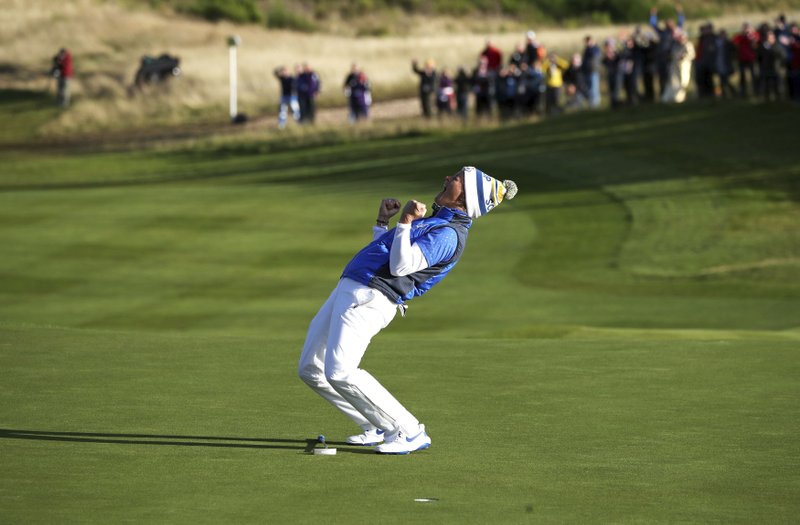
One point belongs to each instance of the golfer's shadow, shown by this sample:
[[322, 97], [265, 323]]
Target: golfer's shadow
[[304, 446]]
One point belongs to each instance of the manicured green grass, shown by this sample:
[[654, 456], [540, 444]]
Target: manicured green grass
[[156, 428], [619, 343]]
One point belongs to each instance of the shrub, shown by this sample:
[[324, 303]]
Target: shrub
[[356, 8], [411, 6], [281, 17], [241, 11], [452, 8], [578, 11], [629, 10], [372, 31]]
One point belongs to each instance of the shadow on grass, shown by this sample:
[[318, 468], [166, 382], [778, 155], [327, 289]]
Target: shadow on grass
[[26, 111], [305, 446], [14, 98]]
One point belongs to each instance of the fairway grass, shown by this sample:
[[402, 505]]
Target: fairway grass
[[103, 426], [620, 343]]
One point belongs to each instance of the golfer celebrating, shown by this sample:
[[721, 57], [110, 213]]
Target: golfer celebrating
[[398, 265]]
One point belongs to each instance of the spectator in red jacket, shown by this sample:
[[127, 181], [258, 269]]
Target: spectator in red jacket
[[62, 70], [793, 75], [494, 57], [746, 44]]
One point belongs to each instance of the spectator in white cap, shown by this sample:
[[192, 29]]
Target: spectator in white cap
[[398, 265], [532, 51]]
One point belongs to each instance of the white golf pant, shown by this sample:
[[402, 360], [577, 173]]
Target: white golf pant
[[337, 338]]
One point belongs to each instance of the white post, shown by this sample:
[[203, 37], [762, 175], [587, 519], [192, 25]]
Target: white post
[[233, 44]]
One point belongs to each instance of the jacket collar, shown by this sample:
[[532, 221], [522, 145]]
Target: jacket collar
[[454, 215]]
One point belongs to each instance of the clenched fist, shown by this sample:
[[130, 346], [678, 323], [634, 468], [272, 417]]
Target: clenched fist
[[413, 210], [388, 209]]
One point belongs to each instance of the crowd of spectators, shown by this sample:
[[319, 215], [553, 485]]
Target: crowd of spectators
[[655, 63]]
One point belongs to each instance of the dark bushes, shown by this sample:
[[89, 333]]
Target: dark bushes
[[241, 11]]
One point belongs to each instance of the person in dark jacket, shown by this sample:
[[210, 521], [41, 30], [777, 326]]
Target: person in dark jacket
[[533, 49], [427, 84], [534, 82], [706, 60], [288, 98], [576, 83], [591, 60], [627, 70], [613, 77], [483, 87], [360, 97], [518, 56], [308, 86], [505, 91], [357, 91], [771, 56], [463, 87], [726, 56], [665, 47], [647, 47], [445, 94]]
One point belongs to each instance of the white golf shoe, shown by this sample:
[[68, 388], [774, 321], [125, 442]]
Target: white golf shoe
[[368, 438], [402, 443]]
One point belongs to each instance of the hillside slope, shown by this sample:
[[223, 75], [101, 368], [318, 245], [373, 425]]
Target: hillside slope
[[108, 40]]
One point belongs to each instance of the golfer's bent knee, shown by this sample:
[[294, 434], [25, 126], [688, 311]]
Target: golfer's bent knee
[[311, 376], [339, 379]]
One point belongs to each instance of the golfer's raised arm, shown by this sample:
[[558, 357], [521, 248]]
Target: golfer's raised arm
[[388, 209], [404, 257]]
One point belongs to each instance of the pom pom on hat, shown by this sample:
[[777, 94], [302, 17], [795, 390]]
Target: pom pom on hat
[[511, 189], [484, 193]]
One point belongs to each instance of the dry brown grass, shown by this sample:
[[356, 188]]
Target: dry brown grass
[[108, 39]]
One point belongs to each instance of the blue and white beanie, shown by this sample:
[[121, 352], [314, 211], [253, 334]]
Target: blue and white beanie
[[484, 192]]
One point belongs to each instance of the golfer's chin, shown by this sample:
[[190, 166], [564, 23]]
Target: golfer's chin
[[437, 205]]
